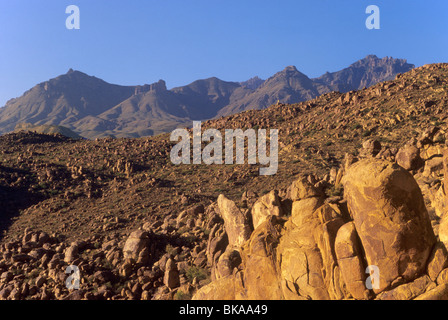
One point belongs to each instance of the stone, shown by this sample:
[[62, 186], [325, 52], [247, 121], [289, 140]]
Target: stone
[[40, 280], [217, 244], [75, 295], [391, 219], [350, 260], [437, 261], [445, 173], [438, 293], [301, 188], [227, 262], [221, 289], [305, 254], [330, 221], [302, 210], [438, 202], [409, 158], [71, 253], [267, 205], [260, 277], [137, 241], [433, 166], [171, 278], [371, 147], [6, 276], [408, 291], [443, 276], [443, 230], [237, 227]]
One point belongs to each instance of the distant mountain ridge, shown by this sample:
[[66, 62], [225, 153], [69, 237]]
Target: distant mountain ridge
[[94, 108]]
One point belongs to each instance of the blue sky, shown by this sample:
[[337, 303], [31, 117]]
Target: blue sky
[[142, 41]]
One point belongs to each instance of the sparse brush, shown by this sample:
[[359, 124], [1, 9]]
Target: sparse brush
[[335, 191]]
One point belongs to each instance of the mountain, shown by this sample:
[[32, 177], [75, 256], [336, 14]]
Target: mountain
[[363, 74], [292, 86], [94, 108], [287, 86], [63, 101], [252, 83]]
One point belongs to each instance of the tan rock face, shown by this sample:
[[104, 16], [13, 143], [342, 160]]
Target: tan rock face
[[221, 289], [349, 255], [260, 277], [410, 290], [227, 262], [237, 227], [438, 293], [306, 254], [437, 261], [391, 219], [267, 205]]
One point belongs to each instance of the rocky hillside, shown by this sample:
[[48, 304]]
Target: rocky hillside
[[94, 108], [360, 182]]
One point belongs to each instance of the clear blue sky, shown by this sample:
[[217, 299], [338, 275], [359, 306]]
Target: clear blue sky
[[141, 41]]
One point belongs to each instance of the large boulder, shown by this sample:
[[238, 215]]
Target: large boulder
[[136, 243], [260, 277], [216, 245], [391, 220], [267, 205], [236, 223], [305, 253], [350, 260]]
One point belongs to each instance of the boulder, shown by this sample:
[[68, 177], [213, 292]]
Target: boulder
[[227, 262], [260, 265], [71, 253], [236, 224], [409, 158], [137, 241], [301, 188], [445, 173], [391, 220], [267, 205], [305, 253], [370, 147], [350, 260], [221, 289], [216, 245], [171, 278], [433, 166], [443, 230], [408, 291], [438, 293], [437, 261]]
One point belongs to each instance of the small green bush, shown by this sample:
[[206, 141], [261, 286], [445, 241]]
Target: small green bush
[[196, 272]]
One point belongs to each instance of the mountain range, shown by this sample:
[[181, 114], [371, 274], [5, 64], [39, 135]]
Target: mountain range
[[94, 108]]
